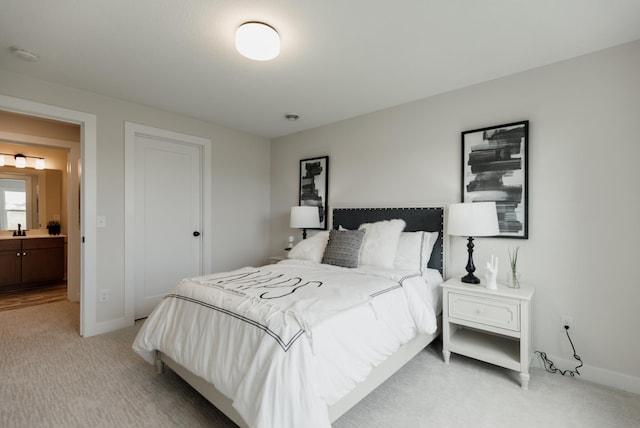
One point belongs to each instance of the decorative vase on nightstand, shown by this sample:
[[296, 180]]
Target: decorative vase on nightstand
[[514, 277], [513, 281]]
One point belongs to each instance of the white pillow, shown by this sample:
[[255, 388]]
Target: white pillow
[[311, 248], [414, 250], [380, 243], [409, 252], [429, 243]]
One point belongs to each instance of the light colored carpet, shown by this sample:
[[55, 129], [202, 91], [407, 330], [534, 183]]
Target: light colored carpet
[[51, 377]]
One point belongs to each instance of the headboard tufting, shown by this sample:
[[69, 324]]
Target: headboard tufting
[[430, 219]]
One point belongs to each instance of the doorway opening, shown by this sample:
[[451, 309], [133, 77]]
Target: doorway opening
[[81, 188], [33, 198]]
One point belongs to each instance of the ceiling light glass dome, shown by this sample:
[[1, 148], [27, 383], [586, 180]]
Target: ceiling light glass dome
[[258, 41]]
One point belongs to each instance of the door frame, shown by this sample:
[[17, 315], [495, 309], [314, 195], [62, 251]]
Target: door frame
[[131, 131], [83, 242]]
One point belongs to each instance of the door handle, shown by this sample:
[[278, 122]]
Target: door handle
[[196, 233]]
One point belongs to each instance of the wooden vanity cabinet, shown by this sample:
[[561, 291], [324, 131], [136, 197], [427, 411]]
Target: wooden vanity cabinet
[[42, 260], [26, 262], [10, 261]]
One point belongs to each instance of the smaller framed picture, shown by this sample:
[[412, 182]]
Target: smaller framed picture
[[314, 185], [495, 169]]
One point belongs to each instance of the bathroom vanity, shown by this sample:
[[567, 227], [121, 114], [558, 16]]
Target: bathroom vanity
[[27, 261]]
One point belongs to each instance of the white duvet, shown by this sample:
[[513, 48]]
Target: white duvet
[[286, 341]]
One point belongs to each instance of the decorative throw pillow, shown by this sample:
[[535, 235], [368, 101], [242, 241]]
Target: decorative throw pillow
[[343, 248], [381, 243], [311, 248]]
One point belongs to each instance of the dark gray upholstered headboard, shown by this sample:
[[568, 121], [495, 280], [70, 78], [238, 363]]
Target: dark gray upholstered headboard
[[430, 219]]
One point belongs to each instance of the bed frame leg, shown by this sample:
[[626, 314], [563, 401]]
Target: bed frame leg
[[159, 364]]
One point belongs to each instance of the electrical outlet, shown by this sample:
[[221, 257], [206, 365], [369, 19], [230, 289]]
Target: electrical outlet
[[104, 295], [567, 321]]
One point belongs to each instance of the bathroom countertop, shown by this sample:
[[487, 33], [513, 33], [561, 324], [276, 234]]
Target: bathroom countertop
[[10, 236]]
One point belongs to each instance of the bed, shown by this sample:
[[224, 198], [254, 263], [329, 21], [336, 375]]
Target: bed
[[299, 343]]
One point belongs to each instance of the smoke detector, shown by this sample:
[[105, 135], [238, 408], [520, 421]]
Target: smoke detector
[[24, 54]]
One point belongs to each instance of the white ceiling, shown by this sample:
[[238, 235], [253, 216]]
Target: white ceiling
[[339, 59]]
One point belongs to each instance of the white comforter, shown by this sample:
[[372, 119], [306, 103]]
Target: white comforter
[[286, 341]]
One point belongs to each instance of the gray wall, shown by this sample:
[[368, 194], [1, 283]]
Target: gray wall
[[240, 182], [583, 177]]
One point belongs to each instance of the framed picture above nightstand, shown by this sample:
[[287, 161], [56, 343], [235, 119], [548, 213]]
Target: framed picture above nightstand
[[489, 325], [496, 159]]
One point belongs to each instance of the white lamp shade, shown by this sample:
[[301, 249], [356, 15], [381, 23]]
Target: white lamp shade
[[473, 219], [257, 41], [39, 163], [1, 160], [304, 217]]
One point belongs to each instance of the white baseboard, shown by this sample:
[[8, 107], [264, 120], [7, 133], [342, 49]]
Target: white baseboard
[[593, 374], [109, 326]]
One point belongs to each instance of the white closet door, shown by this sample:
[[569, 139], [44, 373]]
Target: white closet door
[[168, 217]]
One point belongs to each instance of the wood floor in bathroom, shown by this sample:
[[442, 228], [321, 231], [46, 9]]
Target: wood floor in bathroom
[[21, 299]]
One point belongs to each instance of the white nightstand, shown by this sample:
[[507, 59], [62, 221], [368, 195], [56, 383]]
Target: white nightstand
[[275, 259], [488, 325]]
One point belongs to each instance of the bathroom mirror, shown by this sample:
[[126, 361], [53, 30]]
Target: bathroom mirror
[[29, 197]]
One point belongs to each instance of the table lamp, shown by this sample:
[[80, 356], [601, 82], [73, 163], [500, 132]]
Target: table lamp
[[304, 217], [472, 219]]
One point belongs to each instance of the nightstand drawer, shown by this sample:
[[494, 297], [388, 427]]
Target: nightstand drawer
[[494, 312]]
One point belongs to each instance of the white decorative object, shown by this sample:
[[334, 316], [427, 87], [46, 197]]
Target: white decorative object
[[290, 245], [491, 274]]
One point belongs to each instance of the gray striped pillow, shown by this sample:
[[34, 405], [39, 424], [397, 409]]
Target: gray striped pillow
[[343, 248]]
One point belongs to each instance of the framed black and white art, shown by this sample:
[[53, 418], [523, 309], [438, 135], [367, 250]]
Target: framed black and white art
[[314, 185], [494, 168]]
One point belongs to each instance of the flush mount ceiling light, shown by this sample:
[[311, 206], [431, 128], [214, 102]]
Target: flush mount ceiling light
[[258, 41]]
